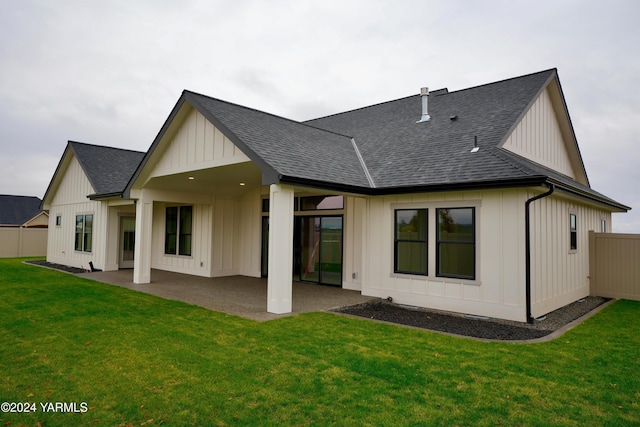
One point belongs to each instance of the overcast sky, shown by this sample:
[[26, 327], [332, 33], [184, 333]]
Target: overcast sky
[[109, 72]]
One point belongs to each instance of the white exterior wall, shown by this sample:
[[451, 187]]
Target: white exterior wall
[[225, 235], [499, 288], [116, 209], [538, 137], [226, 229], [560, 276], [196, 144], [250, 230], [70, 199], [353, 240], [199, 262]]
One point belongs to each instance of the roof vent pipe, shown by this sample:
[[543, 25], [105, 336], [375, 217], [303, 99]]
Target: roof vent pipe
[[424, 94]]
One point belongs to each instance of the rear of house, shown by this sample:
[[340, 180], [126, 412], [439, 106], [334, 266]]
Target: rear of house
[[423, 199]]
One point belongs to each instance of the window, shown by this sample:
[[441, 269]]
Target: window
[[456, 243], [410, 241], [573, 232], [178, 229], [603, 225], [58, 220], [84, 232], [313, 203]]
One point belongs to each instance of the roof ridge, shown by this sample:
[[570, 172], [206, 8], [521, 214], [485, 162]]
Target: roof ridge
[[264, 112], [104, 146], [501, 81], [444, 91], [361, 108]]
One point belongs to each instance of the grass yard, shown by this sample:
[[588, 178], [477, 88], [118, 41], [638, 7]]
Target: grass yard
[[135, 359]]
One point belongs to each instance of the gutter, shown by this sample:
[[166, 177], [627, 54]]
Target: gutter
[[115, 194], [528, 248]]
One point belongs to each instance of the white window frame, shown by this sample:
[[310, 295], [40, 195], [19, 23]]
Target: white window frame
[[574, 213]]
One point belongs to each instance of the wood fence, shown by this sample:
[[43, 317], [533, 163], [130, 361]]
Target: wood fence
[[22, 242], [614, 265]]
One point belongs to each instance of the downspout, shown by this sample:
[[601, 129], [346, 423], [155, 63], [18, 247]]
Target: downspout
[[528, 248]]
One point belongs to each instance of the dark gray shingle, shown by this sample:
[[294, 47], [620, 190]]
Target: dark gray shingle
[[108, 169], [402, 153], [16, 210], [290, 148]]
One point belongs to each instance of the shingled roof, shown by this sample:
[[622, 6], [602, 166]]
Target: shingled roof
[[381, 149], [17, 210], [108, 169], [401, 154], [283, 147]]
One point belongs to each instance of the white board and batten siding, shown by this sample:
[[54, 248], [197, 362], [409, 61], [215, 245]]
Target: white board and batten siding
[[69, 200], [539, 137], [498, 290], [355, 211], [559, 275], [196, 144], [224, 228]]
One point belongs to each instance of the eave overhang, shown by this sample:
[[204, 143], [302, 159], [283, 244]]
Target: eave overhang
[[531, 181]]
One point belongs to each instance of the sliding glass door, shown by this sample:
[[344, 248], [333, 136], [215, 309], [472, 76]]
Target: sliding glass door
[[320, 252]]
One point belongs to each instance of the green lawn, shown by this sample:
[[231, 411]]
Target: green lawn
[[135, 359]]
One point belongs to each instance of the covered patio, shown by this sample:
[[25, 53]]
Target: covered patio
[[236, 295]]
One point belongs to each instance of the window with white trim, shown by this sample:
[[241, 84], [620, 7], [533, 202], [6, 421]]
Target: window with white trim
[[573, 231], [84, 233]]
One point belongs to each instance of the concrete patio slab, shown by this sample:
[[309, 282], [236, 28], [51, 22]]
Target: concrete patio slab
[[237, 295]]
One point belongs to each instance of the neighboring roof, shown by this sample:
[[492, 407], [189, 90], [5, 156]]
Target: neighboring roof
[[17, 210], [381, 149]]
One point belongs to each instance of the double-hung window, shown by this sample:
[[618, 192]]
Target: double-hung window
[[178, 229], [456, 243], [410, 241], [84, 233]]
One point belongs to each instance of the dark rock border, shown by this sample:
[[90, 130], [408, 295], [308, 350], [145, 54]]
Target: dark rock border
[[54, 266], [491, 329]]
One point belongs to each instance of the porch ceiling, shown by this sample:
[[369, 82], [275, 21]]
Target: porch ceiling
[[230, 180]]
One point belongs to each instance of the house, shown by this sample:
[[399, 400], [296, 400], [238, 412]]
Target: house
[[474, 201], [22, 211]]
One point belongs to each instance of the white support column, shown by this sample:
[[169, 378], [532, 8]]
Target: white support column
[[142, 258], [279, 283]]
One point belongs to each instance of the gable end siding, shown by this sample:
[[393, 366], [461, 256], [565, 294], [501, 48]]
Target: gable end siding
[[74, 187], [197, 144], [538, 137]]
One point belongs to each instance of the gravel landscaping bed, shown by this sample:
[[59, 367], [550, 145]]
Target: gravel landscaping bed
[[60, 267], [473, 327]]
